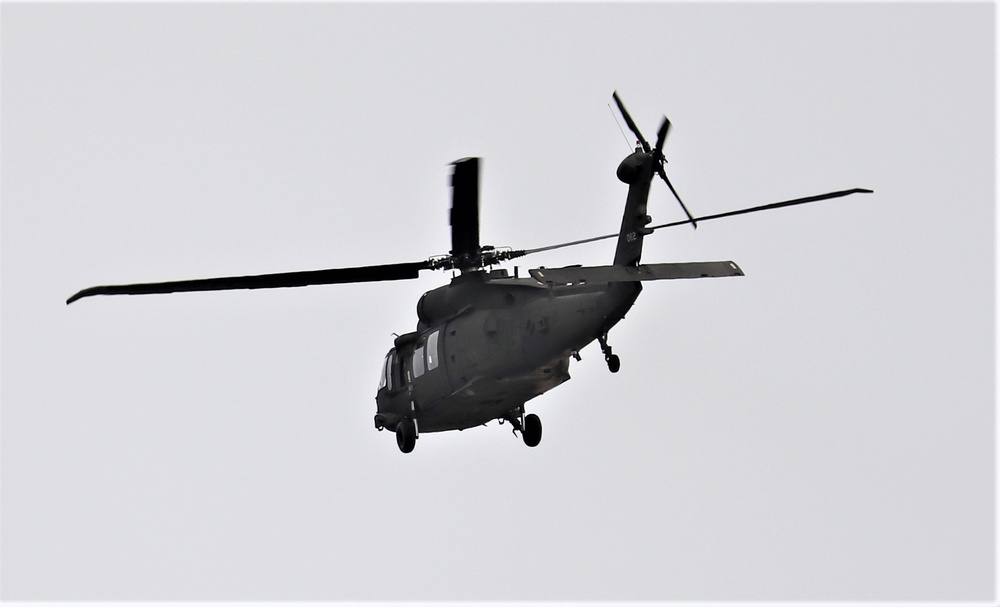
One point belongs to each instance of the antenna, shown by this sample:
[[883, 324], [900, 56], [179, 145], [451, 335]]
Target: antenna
[[619, 126]]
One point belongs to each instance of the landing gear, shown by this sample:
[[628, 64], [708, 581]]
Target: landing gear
[[614, 363], [528, 425], [406, 435], [531, 433]]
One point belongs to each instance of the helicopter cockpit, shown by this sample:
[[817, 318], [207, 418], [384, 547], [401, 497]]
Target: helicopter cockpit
[[413, 376], [392, 373], [404, 364]]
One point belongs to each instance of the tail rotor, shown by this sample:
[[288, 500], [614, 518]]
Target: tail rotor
[[656, 152]]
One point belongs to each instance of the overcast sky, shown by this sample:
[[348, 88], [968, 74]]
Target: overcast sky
[[821, 429]]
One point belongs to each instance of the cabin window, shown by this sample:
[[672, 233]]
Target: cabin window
[[418, 362], [432, 351]]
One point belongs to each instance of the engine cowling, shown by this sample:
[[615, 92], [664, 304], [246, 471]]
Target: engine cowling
[[438, 305]]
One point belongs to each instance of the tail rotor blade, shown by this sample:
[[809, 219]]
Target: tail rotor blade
[[663, 175], [631, 125], [661, 136]]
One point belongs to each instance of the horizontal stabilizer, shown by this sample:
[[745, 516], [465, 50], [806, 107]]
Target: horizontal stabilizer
[[654, 271]]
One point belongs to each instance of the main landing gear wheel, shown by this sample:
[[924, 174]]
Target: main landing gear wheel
[[531, 433], [406, 435], [614, 363]]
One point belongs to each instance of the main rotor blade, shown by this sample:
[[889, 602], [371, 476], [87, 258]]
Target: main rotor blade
[[774, 205], [663, 175], [399, 271], [631, 125], [767, 207], [465, 209], [661, 136], [563, 245]]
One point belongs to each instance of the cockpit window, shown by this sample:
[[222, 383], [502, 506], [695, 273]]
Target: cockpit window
[[426, 357], [384, 380], [396, 374], [418, 362], [432, 351]]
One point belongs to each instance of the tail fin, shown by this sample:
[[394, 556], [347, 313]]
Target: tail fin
[[637, 171]]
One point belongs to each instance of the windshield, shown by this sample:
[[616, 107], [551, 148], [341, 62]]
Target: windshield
[[384, 380]]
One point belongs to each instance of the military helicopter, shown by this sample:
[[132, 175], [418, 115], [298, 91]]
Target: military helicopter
[[488, 342]]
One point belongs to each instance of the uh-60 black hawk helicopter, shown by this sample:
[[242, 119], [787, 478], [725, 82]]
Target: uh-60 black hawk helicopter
[[488, 342]]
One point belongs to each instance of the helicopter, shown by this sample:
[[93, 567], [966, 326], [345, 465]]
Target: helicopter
[[487, 343]]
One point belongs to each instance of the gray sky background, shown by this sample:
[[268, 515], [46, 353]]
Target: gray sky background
[[822, 429]]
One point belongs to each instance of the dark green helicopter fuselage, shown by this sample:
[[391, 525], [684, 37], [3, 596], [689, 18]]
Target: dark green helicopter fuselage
[[487, 343]]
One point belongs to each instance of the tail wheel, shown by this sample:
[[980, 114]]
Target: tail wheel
[[406, 435], [532, 430]]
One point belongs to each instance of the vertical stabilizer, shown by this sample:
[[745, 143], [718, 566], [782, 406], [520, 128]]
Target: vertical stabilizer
[[637, 172]]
